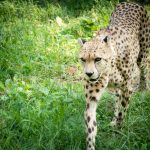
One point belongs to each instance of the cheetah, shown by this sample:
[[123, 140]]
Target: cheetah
[[116, 57]]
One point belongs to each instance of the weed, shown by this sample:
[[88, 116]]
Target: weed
[[41, 96]]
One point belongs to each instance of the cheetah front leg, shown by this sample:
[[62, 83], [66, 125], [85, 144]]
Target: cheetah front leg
[[90, 120], [121, 106], [93, 93], [118, 107]]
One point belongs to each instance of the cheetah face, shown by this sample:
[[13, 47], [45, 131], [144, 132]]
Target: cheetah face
[[96, 58]]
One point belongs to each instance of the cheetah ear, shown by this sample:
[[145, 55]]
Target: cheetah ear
[[81, 41], [105, 39]]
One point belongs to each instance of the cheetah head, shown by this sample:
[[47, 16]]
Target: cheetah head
[[96, 56]]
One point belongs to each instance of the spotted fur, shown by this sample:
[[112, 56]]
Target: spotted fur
[[116, 57]]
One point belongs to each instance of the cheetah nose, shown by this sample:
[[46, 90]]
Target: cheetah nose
[[89, 74]]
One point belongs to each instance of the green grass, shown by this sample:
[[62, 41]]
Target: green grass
[[41, 98]]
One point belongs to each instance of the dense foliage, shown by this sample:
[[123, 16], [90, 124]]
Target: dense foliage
[[41, 96]]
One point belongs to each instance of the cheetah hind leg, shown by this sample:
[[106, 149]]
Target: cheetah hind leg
[[145, 71], [142, 60], [135, 80]]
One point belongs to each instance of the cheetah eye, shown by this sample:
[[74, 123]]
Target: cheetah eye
[[82, 59], [98, 59]]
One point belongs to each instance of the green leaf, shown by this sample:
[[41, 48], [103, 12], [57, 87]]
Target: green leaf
[[2, 87]]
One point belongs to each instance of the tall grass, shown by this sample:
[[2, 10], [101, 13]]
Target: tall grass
[[41, 96]]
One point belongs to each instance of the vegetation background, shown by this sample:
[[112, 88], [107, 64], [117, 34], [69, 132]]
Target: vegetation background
[[41, 94]]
